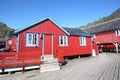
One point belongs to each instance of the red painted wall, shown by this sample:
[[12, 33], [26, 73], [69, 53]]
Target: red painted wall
[[107, 37], [48, 27], [74, 47], [11, 43]]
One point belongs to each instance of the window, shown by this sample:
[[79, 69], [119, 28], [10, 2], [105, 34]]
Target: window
[[82, 41], [10, 42], [63, 40], [31, 39], [117, 32]]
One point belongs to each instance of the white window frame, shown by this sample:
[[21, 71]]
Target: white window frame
[[64, 40], [82, 41], [34, 37], [10, 42], [117, 32]]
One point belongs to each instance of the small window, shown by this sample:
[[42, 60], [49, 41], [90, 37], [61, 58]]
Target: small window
[[63, 40], [117, 32], [82, 41], [10, 42], [32, 39]]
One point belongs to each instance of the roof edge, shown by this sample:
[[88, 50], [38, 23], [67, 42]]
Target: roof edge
[[36, 22], [29, 25]]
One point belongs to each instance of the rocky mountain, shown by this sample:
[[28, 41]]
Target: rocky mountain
[[5, 31]]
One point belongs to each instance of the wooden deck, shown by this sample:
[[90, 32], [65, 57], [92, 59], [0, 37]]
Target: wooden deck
[[105, 66]]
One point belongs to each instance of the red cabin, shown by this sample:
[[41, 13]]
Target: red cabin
[[107, 35], [46, 38], [11, 43]]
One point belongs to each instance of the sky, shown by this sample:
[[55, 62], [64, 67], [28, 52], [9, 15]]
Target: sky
[[65, 13]]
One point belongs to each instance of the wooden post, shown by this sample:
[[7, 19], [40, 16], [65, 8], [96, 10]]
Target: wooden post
[[3, 65], [23, 66], [79, 56], [116, 46], [2, 69], [66, 59]]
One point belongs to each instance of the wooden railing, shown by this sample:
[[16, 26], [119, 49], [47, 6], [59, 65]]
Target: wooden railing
[[19, 59], [4, 55]]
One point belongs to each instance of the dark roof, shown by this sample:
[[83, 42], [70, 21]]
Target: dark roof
[[76, 32], [106, 26]]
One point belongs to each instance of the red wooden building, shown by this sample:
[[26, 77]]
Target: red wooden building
[[46, 38], [11, 43], [107, 35]]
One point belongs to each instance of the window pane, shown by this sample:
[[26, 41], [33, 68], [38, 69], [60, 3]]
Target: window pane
[[119, 32], [29, 38], [82, 41], [37, 40], [64, 40], [61, 40], [32, 39], [10, 42]]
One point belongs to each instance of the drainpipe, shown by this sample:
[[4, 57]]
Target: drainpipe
[[42, 46], [93, 50], [91, 44], [17, 45]]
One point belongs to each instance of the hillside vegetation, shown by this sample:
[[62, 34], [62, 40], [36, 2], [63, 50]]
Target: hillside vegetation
[[114, 15], [5, 32]]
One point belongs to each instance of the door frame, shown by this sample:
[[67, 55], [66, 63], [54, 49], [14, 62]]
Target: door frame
[[43, 44]]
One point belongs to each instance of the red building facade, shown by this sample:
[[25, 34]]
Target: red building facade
[[11, 43], [46, 38], [107, 35]]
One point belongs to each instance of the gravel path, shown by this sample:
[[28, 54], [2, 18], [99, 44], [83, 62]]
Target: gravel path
[[106, 66]]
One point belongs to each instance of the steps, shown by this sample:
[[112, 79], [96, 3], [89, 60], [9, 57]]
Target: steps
[[49, 64]]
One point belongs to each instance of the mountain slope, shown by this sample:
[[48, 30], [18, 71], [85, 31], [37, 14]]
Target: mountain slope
[[114, 15], [5, 32]]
